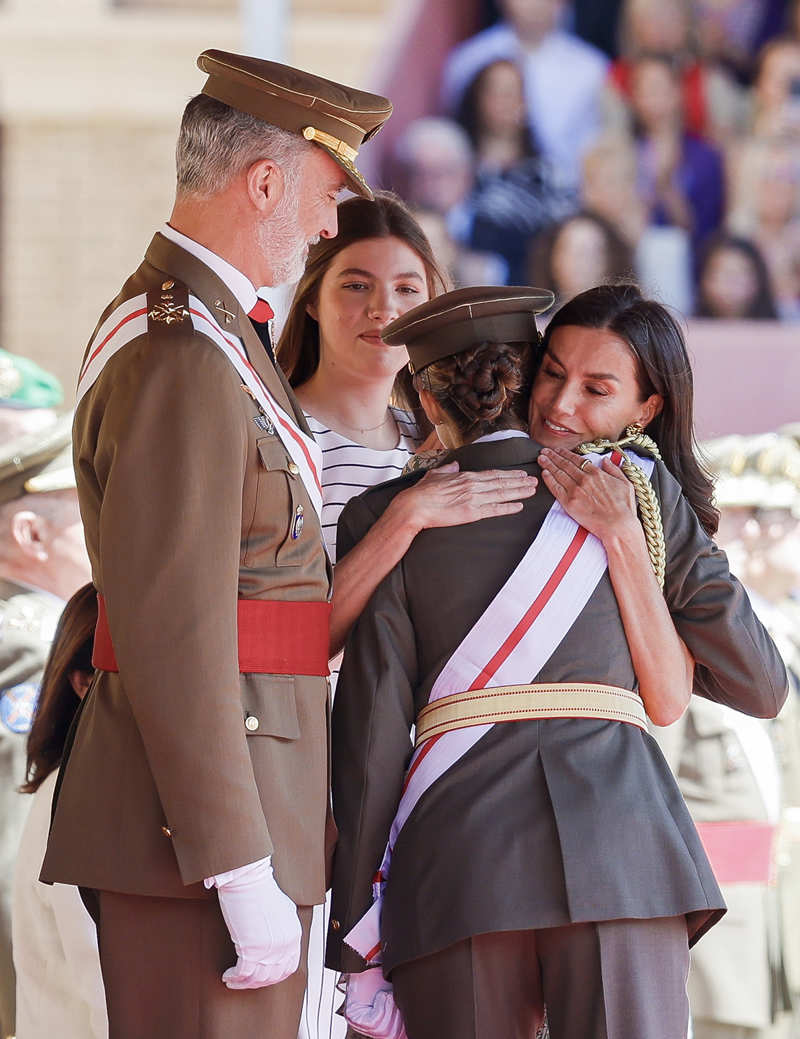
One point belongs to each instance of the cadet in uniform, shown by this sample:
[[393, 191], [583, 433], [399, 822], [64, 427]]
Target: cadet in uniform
[[42, 560], [541, 848], [200, 755]]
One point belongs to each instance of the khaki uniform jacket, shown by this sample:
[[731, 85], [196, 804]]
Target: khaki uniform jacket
[[546, 822], [187, 505]]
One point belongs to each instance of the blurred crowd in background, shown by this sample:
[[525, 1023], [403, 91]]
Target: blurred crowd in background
[[670, 151]]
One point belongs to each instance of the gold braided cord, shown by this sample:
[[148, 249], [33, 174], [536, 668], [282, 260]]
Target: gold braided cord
[[646, 500]]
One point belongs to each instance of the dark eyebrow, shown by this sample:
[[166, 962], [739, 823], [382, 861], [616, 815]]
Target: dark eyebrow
[[368, 274], [598, 376]]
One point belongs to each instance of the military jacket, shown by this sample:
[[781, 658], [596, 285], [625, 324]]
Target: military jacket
[[542, 822], [188, 498]]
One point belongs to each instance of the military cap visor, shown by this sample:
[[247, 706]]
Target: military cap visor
[[38, 462], [459, 320], [335, 117]]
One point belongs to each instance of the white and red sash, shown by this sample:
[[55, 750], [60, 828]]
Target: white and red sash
[[509, 645], [128, 321]]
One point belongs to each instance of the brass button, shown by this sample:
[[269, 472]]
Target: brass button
[[293, 468], [166, 831], [251, 723], [335, 925], [169, 284]]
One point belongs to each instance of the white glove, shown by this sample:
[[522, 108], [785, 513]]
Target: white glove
[[263, 924], [370, 1008]]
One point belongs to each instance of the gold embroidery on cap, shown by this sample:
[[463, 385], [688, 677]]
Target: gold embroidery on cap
[[311, 133]]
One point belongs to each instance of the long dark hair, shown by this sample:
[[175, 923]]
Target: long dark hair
[[58, 701], [762, 306], [359, 219], [663, 367], [468, 115]]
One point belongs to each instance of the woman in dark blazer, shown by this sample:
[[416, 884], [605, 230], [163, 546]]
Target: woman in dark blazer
[[552, 860]]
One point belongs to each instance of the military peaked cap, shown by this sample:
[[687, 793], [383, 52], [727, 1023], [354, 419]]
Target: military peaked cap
[[458, 320], [336, 117], [38, 462]]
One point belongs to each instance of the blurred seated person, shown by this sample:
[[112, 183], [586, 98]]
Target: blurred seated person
[[733, 281], [680, 174], [517, 192], [582, 251], [464, 266], [661, 255], [713, 105], [776, 90], [563, 77], [433, 167], [28, 396], [764, 176], [59, 984], [731, 32]]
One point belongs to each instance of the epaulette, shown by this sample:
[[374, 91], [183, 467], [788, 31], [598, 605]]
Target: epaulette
[[168, 307]]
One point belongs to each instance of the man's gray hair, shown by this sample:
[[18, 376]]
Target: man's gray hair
[[216, 142]]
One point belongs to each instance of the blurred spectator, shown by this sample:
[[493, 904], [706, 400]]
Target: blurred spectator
[[680, 174], [59, 984], [28, 396], [764, 175], [563, 77], [434, 168], [516, 194], [776, 92], [733, 281], [463, 266], [713, 105], [661, 255], [580, 252], [731, 32]]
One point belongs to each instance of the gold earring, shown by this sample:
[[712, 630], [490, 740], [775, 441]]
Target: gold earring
[[635, 429]]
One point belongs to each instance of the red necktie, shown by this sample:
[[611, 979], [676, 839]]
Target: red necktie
[[261, 312]]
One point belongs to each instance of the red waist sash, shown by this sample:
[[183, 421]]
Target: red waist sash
[[275, 638]]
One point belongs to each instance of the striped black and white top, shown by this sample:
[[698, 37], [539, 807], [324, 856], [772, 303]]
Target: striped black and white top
[[349, 468]]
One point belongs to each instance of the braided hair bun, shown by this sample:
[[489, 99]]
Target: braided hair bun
[[483, 388]]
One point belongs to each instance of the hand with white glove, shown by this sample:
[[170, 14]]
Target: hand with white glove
[[263, 924], [369, 1006]]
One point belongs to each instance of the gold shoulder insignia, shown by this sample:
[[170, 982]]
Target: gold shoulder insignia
[[168, 305]]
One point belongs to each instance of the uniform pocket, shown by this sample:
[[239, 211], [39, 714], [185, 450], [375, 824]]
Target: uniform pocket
[[277, 529], [269, 706]]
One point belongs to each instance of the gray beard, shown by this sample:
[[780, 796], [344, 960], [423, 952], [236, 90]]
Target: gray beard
[[280, 241]]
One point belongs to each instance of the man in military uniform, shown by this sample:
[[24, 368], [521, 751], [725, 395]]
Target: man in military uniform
[[42, 561], [199, 760], [28, 396]]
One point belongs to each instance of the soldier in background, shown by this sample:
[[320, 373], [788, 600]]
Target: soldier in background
[[42, 561], [738, 775], [28, 397]]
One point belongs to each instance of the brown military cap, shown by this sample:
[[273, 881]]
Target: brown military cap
[[38, 462], [336, 117], [467, 317]]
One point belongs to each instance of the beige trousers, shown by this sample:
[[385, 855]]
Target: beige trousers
[[162, 961]]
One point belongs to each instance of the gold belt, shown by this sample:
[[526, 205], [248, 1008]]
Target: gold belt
[[514, 703]]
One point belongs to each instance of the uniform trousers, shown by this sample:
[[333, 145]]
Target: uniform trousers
[[162, 961], [619, 979]]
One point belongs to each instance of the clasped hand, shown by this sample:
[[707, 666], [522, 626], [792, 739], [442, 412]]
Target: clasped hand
[[263, 924], [599, 498]]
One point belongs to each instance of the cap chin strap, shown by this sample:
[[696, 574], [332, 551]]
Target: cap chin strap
[[646, 501]]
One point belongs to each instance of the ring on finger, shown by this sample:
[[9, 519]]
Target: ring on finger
[[584, 463]]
